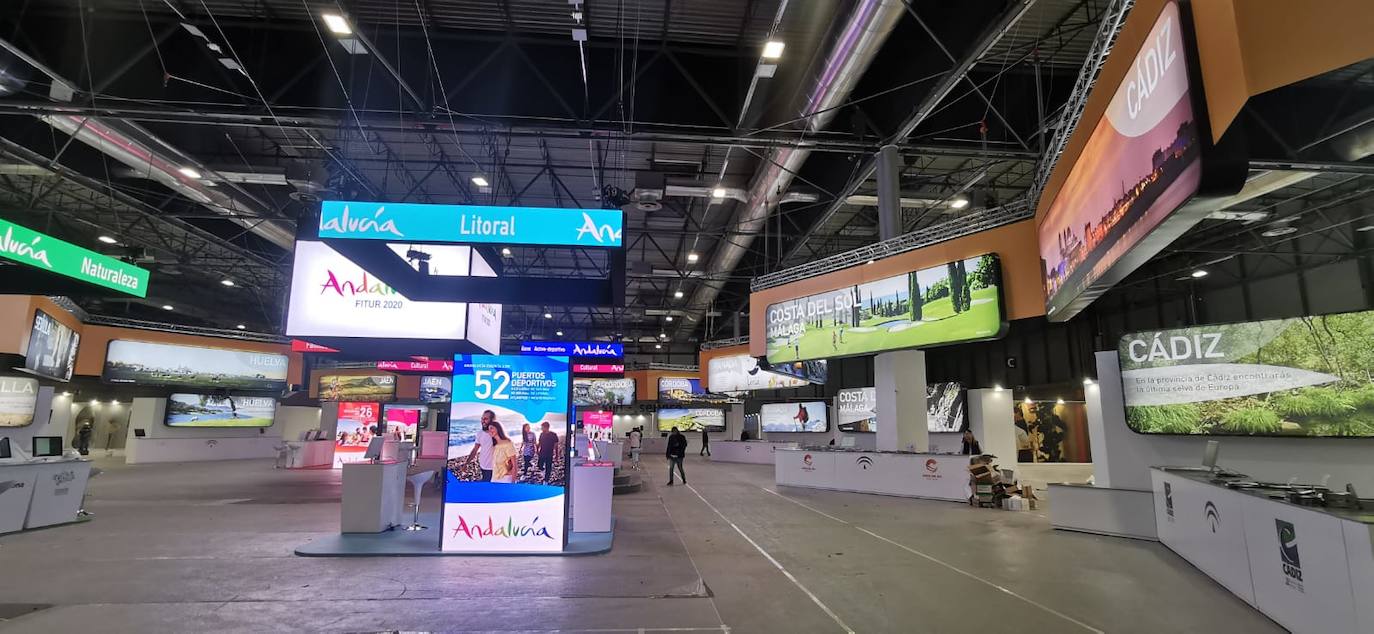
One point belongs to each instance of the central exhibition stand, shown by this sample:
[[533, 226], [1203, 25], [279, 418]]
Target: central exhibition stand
[[917, 475], [748, 451]]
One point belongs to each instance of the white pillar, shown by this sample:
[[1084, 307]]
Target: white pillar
[[900, 379], [991, 421]]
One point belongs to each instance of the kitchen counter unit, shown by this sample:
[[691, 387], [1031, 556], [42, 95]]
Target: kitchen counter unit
[[917, 475], [1311, 569], [751, 451]]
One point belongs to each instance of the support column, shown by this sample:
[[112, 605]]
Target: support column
[[992, 423], [900, 379], [888, 170]]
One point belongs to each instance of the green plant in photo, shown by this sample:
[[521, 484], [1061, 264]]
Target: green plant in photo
[[1313, 402], [1252, 420], [1183, 418]]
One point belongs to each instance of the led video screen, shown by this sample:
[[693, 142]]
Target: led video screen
[[162, 364], [357, 424], [436, 389], [209, 410], [52, 348], [18, 400], [795, 417], [1306, 376], [955, 302], [494, 500], [945, 403], [741, 373], [693, 419], [856, 410], [687, 391], [603, 392], [357, 387]]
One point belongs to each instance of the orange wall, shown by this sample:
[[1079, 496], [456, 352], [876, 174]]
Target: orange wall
[[1022, 292], [16, 320], [90, 357], [646, 382]]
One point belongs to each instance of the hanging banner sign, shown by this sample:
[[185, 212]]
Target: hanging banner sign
[[434, 365], [598, 368], [29, 247], [586, 349], [298, 345], [412, 222]]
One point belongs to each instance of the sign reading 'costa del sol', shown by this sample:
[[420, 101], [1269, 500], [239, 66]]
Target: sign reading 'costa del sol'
[[411, 222], [29, 247]]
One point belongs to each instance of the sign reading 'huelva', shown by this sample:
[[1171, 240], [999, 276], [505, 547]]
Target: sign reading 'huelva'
[[26, 246], [411, 222]]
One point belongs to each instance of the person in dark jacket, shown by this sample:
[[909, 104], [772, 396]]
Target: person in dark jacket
[[677, 450], [705, 444], [971, 447]]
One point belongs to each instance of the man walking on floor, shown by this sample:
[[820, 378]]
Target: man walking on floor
[[705, 444], [677, 451]]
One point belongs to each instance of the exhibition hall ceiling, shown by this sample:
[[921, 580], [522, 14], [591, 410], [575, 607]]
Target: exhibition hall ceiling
[[206, 132]]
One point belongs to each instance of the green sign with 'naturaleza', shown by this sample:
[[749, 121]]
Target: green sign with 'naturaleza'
[[45, 252]]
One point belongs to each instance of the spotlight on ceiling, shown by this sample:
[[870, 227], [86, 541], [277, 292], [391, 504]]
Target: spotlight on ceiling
[[107, 240], [189, 173], [1283, 231], [677, 294], [241, 327], [693, 257], [668, 318], [337, 24], [558, 333], [227, 282], [505, 251], [166, 307], [1059, 401], [1199, 273], [658, 346], [958, 203], [718, 193], [480, 181], [548, 315], [773, 49], [662, 335], [1361, 229]]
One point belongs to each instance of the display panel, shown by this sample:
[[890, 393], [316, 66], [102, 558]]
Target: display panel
[[354, 387], [41, 251], [576, 349], [682, 390], [954, 302], [694, 419], [52, 348], [816, 371], [357, 425], [495, 502], [1051, 431], [209, 410], [429, 365], [598, 368], [484, 320], [600, 419], [1307, 376], [1142, 161], [18, 400], [415, 222], [945, 404], [810, 416], [603, 392], [333, 297], [436, 389], [403, 421], [163, 364], [741, 373], [856, 410]]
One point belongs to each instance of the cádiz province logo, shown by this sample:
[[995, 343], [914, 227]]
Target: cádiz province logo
[[1288, 553], [600, 234], [346, 223]]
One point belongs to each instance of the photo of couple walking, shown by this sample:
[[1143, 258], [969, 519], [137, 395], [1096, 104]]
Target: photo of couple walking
[[488, 450]]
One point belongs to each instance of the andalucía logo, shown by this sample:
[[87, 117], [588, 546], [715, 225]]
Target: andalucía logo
[[508, 530], [604, 231], [1169, 501], [361, 224], [1288, 553], [29, 250], [363, 286], [1213, 515], [593, 350], [864, 462]]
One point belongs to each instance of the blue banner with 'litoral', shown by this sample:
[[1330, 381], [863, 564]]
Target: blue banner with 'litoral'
[[414, 222]]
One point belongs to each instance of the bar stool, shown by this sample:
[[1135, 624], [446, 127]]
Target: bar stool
[[418, 482]]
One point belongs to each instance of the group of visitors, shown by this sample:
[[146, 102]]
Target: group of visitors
[[497, 456]]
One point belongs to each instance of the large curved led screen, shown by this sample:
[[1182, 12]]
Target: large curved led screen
[[1307, 376], [688, 391], [950, 303], [209, 410], [691, 419], [741, 373], [357, 387], [18, 400], [795, 417], [52, 348], [603, 392], [163, 364]]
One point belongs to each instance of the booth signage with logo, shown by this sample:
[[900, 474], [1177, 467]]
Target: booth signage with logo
[[741, 373], [18, 399], [414, 222], [164, 364], [579, 349], [44, 252], [856, 410], [52, 348]]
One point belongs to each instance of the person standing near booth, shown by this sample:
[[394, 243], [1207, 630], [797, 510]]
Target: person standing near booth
[[705, 444], [548, 446], [677, 451], [636, 442]]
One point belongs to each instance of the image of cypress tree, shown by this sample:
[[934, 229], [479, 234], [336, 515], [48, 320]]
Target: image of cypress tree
[[915, 286], [958, 287]]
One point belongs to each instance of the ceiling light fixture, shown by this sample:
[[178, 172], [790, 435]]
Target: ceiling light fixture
[[1199, 273], [1283, 231], [668, 318], [1088, 381], [658, 346], [480, 181], [1028, 400], [958, 203], [241, 327], [227, 282], [189, 173], [677, 294], [662, 335], [337, 24], [1361, 229], [558, 333], [718, 193], [548, 315], [773, 49], [505, 251], [1059, 401], [107, 240], [166, 307], [692, 257]]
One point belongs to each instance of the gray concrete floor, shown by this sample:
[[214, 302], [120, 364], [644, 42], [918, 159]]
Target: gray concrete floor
[[208, 547]]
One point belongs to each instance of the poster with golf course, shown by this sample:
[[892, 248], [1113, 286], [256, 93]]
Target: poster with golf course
[[950, 303], [1307, 376]]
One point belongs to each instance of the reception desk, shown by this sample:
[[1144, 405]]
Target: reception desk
[[1311, 569], [751, 451], [41, 492], [310, 454], [373, 496], [917, 475]]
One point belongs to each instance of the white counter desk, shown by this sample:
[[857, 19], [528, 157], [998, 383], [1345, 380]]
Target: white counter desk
[[1311, 569], [41, 492], [918, 475], [310, 454], [373, 496], [751, 451]]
